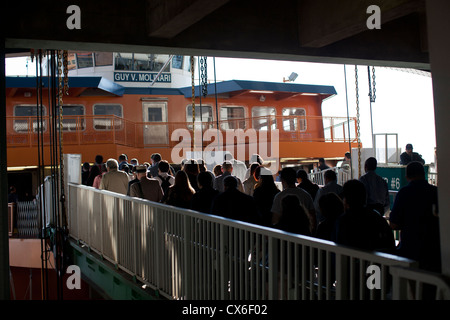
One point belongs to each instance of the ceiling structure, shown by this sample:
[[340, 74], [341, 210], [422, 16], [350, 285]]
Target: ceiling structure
[[298, 30], [327, 31]]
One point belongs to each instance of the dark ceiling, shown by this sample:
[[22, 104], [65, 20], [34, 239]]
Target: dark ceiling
[[301, 30]]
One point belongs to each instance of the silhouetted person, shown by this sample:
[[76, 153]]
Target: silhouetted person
[[409, 156], [153, 169], [12, 195], [288, 177], [85, 170], [180, 193], [415, 214], [264, 193], [239, 167], [95, 170], [234, 204], [346, 164], [217, 170], [322, 165], [203, 198], [306, 184], [192, 170], [331, 185], [331, 207], [254, 158], [294, 217], [98, 178], [227, 170], [250, 182], [359, 226], [376, 187]]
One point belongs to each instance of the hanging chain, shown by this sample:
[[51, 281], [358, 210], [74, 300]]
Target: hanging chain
[[358, 128], [204, 76], [373, 83], [62, 89], [193, 98], [372, 89], [66, 72]]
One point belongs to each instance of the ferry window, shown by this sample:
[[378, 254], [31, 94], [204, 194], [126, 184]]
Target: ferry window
[[232, 117], [187, 63], [206, 115], [141, 62], [103, 59], [177, 62], [73, 119], [30, 112], [263, 117], [154, 114], [84, 60], [109, 122], [294, 119], [72, 62]]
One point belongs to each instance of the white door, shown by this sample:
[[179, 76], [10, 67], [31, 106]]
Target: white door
[[155, 123]]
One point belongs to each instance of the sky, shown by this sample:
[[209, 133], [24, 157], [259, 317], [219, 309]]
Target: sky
[[403, 105], [404, 101]]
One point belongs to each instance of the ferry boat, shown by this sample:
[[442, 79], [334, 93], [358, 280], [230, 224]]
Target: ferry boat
[[138, 104], [141, 104]]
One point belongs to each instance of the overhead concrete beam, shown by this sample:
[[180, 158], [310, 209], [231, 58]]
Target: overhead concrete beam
[[240, 29], [166, 19], [322, 23]]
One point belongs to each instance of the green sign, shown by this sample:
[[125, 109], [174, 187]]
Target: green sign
[[395, 176]]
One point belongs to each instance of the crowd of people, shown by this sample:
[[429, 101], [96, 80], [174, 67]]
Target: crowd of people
[[351, 214]]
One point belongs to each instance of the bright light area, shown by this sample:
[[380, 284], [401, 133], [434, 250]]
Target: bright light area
[[404, 101]]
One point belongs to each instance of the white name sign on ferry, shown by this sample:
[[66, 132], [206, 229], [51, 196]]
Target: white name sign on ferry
[[142, 77]]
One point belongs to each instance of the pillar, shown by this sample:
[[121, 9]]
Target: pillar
[[438, 24], [4, 238]]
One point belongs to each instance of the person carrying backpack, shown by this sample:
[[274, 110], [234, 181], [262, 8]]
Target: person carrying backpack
[[164, 178]]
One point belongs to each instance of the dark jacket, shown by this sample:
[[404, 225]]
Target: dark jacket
[[415, 213], [202, 199], [364, 229], [406, 158], [309, 187], [236, 205]]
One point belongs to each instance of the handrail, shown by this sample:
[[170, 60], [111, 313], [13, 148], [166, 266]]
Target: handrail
[[87, 129], [342, 175], [189, 255], [410, 284]]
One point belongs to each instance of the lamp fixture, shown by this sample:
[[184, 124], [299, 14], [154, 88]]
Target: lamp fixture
[[261, 91], [291, 77]]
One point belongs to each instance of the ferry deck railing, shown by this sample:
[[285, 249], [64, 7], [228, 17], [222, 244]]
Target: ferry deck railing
[[189, 255], [342, 175], [105, 129]]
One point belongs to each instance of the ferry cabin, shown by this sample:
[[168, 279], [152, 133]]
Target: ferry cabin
[[104, 117]]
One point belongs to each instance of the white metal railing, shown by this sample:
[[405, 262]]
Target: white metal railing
[[416, 284], [189, 255], [342, 176], [433, 178]]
